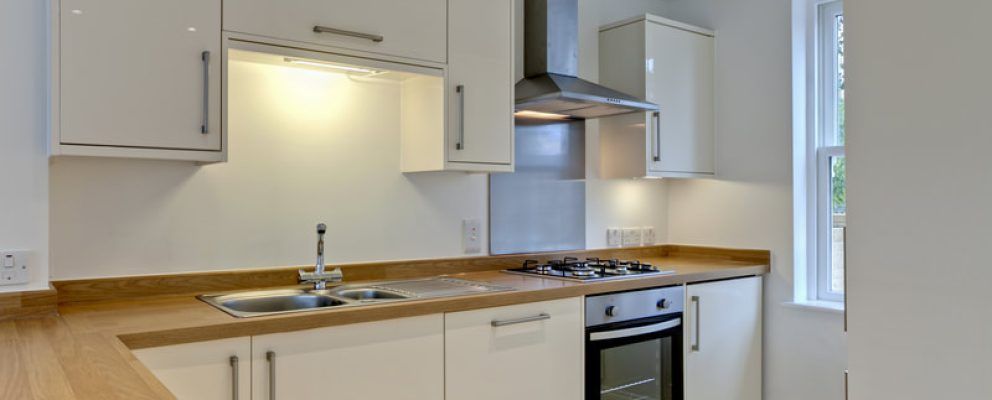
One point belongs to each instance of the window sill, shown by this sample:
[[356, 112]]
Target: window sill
[[833, 307]]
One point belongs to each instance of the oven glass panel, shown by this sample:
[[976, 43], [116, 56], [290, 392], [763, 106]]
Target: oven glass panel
[[638, 371]]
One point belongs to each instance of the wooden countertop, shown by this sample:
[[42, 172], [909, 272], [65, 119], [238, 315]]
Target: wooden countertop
[[84, 352]]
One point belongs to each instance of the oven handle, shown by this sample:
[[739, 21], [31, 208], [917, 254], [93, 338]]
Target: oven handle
[[640, 330]]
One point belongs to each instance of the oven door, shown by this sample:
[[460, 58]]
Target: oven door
[[635, 360]]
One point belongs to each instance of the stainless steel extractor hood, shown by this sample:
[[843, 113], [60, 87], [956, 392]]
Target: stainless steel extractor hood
[[551, 66]]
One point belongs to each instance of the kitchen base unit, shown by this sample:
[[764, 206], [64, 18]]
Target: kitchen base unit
[[521, 352], [723, 340], [214, 370]]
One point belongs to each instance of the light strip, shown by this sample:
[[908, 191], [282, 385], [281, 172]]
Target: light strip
[[539, 115], [329, 65]]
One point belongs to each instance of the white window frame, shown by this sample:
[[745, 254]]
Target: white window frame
[[815, 115], [826, 148]]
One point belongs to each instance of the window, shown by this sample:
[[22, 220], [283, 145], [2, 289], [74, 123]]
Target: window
[[822, 194], [827, 192]]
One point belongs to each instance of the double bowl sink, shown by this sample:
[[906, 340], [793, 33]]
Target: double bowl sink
[[270, 302]]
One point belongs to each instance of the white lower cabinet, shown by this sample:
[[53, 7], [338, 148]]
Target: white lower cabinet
[[214, 370], [522, 352], [532, 351], [399, 359], [723, 340]]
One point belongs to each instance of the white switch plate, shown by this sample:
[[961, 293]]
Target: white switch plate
[[14, 268], [631, 237], [647, 236], [613, 237], [471, 236]]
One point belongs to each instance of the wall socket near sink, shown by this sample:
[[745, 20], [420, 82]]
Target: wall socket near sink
[[471, 236], [14, 267]]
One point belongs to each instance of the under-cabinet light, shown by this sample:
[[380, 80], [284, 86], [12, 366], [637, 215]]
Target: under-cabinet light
[[346, 68], [539, 115]]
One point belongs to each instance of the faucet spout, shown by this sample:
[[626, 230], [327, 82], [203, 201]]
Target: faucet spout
[[319, 277], [321, 230]]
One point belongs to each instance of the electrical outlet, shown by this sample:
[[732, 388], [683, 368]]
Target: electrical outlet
[[631, 237], [613, 237], [471, 236], [14, 267], [647, 236]]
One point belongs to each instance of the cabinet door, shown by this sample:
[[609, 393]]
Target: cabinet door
[[680, 80], [405, 28], [480, 81], [399, 359], [204, 370], [532, 359], [134, 73], [723, 340]]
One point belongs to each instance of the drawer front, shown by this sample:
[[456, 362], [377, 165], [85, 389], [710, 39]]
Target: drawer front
[[527, 351], [408, 28]]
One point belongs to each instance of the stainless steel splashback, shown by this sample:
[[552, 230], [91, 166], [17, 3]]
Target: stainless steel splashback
[[541, 206]]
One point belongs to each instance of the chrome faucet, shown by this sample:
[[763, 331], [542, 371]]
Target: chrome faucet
[[319, 277]]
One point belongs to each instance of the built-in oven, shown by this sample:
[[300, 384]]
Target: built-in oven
[[634, 345]]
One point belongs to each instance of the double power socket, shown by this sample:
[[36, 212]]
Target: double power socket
[[632, 236]]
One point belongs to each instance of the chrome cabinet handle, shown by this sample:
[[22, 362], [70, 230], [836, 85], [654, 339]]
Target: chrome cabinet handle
[[460, 145], [270, 356], [656, 148], [205, 127], [342, 32], [695, 346], [234, 378], [540, 317]]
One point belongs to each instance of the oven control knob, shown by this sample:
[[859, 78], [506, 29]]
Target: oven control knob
[[663, 304], [612, 311]]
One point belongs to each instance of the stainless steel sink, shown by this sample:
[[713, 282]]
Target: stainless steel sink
[[270, 302], [370, 294], [249, 304]]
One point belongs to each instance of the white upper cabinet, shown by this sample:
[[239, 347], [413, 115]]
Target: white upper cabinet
[[480, 82], [400, 359], [137, 78], [478, 95], [670, 64], [214, 370], [523, 352], [723, 340], [414, 29]]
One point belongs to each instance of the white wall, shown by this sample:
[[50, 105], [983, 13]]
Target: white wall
[[293, 164], [920, 199], [23, 119], [751, 204]]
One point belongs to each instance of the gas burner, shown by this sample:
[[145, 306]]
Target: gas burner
[[591, 269], [582, 271]]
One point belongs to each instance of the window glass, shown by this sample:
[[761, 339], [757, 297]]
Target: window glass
[[838, 134], [838, 224]]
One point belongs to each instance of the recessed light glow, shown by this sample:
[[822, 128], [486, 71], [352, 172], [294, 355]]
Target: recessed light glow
[[191, 29], [539, 115], [77, 12], [346, 68]]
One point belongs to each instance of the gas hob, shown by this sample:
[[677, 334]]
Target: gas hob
[[588, 270]]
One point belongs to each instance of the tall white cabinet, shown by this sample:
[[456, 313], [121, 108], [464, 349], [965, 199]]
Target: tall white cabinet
[[137, 78], [723, 340], [399, 359], [214, 370], [670, 64], [524, 352]]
